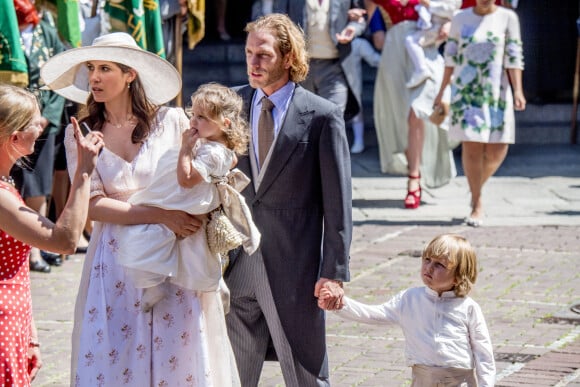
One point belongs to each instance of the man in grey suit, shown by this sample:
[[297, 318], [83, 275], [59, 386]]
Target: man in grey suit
[[301, 199]]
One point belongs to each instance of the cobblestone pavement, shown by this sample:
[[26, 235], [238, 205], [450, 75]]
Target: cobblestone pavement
[[528, 250]]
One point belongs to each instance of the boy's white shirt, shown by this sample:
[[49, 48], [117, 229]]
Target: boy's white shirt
[[446, 331]]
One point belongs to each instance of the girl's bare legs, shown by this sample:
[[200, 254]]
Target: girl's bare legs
[[416, 138], [480, 161]]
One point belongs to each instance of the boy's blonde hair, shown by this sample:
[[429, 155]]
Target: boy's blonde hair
[[461, 258], [219, 102]]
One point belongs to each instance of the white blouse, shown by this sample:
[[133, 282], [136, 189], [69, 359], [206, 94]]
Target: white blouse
[[446, 331]]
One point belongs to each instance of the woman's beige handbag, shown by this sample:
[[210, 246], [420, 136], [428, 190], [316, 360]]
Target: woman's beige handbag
[[439, 113], [222, 236]]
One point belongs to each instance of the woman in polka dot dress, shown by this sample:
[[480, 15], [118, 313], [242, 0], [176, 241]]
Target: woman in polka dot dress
[[21, 228]]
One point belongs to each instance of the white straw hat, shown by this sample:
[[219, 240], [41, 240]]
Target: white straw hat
[[66, 74]]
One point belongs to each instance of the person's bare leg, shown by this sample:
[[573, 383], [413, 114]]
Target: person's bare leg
[[416, 138], [480, 162], [493, 157]]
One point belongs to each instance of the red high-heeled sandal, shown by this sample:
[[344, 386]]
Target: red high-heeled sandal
[[413, 198]]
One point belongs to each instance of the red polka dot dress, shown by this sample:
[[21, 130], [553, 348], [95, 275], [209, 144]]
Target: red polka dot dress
[[15, 308]]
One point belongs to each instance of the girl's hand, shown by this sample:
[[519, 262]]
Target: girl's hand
[[444, 31], [34, 361], [189, 139], [88, 148], [519, 100]]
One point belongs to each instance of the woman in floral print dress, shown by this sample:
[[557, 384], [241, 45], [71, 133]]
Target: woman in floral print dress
[[182, 341], [483, 62]]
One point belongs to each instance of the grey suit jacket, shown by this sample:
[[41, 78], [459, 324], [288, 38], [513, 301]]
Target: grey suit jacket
[[303, 208]]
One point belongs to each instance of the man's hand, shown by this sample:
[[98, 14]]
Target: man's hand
[[346, 35], [329, 293], [357, 14]]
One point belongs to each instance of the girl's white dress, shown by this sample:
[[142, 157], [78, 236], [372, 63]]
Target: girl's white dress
[[183, 340], [151, 252], [480, 48]]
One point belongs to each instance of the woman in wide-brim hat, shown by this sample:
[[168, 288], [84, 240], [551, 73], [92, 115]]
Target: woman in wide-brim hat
[[183, 337]]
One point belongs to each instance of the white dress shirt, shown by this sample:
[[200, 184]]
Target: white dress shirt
[[446, 331]]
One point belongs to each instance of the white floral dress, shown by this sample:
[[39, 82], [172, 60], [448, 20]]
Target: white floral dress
[[481, 48], [183, 340]]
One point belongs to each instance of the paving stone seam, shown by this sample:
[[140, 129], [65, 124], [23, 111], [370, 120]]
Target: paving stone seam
[[527, 372], [569, 378], [510, 370], [532, 302], [569, 338], [381, 239], [365, 273]]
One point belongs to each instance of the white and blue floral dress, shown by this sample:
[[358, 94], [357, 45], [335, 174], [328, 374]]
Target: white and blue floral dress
[[481, 48]]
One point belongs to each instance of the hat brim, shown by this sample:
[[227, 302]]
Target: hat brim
[[66, 74]]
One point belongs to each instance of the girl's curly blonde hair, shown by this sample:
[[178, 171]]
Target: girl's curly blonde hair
[[219, 102], [461, 257]]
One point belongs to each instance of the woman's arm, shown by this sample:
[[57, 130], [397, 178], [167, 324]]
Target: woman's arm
[[114, 211], [444, 82], [28, 226], [516, 81], [34, 360]]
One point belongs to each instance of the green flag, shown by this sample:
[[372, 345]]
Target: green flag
[[67, 22], [13, 67], [141, 19]]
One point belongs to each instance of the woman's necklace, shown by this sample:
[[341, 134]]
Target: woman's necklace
[[8, 180], [129, 120]]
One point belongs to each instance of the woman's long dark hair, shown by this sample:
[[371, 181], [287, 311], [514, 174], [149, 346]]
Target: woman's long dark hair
[[143, 110]]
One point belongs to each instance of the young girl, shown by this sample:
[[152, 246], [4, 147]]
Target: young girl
[[432, 15], [445, 331], [152, 253]]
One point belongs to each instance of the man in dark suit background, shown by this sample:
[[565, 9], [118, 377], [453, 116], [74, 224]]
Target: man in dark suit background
[[301, 199]]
